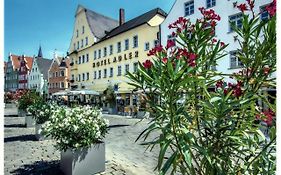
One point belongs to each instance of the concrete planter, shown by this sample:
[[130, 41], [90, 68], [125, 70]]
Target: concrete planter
[[21, 113], [29, 121], [38, 133], [84, 161]]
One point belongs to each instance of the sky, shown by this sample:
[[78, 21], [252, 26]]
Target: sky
[[50, 23]]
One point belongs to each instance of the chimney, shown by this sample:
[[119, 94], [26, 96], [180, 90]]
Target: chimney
[[121, 16]]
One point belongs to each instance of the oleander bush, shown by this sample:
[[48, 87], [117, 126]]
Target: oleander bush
[[28, 98], [41, 111], [216, 128], [77, 127]]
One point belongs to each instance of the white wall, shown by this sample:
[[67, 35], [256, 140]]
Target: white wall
[[224, 8], [36, 78]]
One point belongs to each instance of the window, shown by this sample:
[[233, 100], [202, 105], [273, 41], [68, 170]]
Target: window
[[88, 76], [126, 44], [156, 43], [99, 53], [189, 8], [234, 60], [119, 71], [264, 13], [95, 54], [77, 44], [95, 74], [76, 33], [72, 77], [111, 72], [56, 74], [61, 85], [83, 58], [53, 74], [82, 43], [127, 68], [99, 74], [74, 46], [136, 64], [87, 57], [146, 46], [83, 77], [104, 73], [236, 20], [79, 60], [135, 41], [86, 41], [104, 51], [111, 49], [118, 47], [62, 73], [83, 29], [79, 77], [211, 3]]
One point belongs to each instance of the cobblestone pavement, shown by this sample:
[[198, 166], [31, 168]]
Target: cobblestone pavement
[[24, 155]]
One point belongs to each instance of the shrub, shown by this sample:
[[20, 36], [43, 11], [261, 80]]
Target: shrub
[[77, 127], [212, 131]]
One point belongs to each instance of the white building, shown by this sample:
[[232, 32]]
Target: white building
[[38, 76], [227, 12]]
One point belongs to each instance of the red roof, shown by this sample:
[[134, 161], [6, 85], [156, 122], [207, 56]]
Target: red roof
[[16, 61], [28, 61]]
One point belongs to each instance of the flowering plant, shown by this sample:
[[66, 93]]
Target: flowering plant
[[41, 111], [27, 99], [216, 129], [77, 127]]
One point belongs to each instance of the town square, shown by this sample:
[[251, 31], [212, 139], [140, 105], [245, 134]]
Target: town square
[[140, 88]]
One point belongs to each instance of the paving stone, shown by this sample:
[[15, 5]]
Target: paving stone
[[23, 155]]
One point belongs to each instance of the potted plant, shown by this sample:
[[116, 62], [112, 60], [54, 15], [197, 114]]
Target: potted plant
[[78, 133], [29, 98], [41, 112]]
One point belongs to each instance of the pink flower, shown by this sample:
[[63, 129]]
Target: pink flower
[[219, 84], [165, 60], [214, 40], [271, 8], [147, 64], [242, 7], [251, 4], [222, 44], [170, 43], [266, 70]]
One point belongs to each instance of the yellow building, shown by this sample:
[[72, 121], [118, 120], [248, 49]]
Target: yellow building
[[103, 49]]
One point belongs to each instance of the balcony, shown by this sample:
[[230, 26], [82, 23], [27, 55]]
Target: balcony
[[71, 81]]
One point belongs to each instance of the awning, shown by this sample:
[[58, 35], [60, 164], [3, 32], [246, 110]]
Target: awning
[[60, 93], [84, 92]]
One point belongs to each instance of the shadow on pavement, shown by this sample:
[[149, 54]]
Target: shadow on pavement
[[117, 126], [15, 126], [40, 168], [30, 137]]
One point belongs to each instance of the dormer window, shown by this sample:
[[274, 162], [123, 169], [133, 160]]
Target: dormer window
[[76, 33], [83, 29]]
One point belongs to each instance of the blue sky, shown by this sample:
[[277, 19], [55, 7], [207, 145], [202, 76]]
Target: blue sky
[[29, 23]]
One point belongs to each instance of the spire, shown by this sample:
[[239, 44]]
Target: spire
[[40, 52]]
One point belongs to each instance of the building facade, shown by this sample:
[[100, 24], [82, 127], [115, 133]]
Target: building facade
[[38, 76], [58, 75], [104, 59], [228, 13], [13, 69], [24, 69]]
